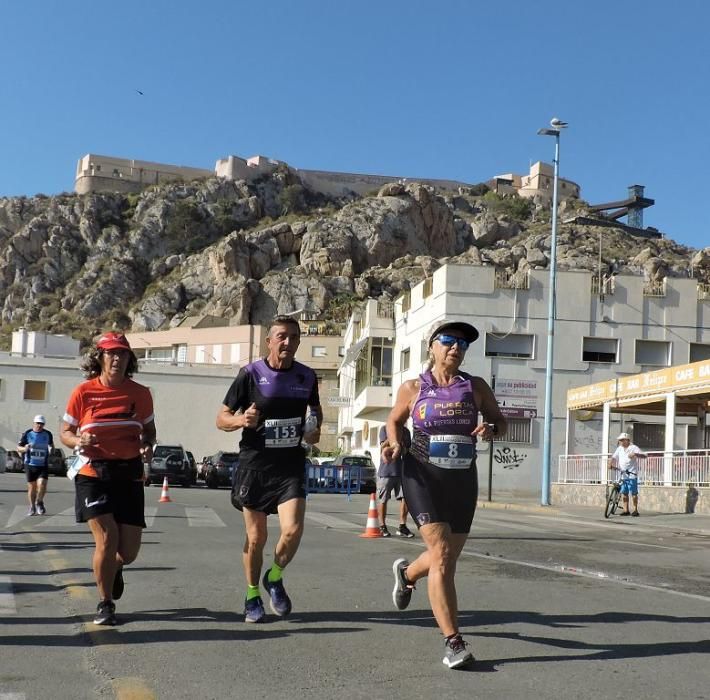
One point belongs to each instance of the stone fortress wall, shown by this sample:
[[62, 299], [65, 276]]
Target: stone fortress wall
[[96, 173]]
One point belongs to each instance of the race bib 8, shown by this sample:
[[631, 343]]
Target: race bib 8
[[282, 432], [451, 451]]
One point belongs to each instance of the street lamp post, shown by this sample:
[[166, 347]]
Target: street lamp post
[[557, 126]]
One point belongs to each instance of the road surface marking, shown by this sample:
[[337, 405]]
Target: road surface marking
[[331, 521], [7, 597], [203, 517]]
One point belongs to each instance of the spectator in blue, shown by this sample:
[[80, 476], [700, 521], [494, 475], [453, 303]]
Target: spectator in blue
[[36, 444], [389, 482]]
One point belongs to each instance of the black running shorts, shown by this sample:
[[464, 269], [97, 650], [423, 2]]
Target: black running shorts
[[264, 491], [34, 473], [122, 498], [436, 495]]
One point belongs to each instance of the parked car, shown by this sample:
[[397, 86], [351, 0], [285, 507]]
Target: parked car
[[220, 469], [171, 461], [359, 469], [14, 461], [56, 463]]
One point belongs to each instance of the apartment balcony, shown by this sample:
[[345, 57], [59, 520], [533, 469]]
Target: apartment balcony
[[373, 400]]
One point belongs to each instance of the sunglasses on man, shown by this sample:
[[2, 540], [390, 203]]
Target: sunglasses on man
[[451, 340]]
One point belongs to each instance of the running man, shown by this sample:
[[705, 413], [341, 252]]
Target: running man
[[36, 444], [268, 400]]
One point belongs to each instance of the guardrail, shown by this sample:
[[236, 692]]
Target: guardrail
[[345, 479], [678, 468]]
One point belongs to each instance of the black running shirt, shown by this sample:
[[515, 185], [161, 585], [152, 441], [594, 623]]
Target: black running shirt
[[282, 397]]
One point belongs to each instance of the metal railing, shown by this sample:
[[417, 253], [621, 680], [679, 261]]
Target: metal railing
[[348, 479], [703, 291], [654, 288], [385, 309], [603, 285], [678, 468], [507, 279]]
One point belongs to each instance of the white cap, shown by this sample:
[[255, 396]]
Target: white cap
[[39, 418], [623, 436]]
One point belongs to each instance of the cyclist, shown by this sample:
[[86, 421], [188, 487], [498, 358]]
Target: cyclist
[[625, 460], [36, 444]]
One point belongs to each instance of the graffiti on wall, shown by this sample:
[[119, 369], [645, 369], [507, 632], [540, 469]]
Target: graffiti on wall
[[509, 457]]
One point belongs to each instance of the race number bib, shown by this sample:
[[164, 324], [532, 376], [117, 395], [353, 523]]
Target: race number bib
[[38, 455], [282, 432], [451, 451]]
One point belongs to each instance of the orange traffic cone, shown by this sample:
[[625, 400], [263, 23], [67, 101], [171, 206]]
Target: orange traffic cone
[[372, 529], [164, 496]]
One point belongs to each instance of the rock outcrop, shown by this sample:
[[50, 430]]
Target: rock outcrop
[[79, 263]]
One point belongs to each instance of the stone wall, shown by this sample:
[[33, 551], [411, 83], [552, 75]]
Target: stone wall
[[661, 499]]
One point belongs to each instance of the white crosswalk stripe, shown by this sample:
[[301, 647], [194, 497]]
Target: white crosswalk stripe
[[203, 517], [331, 521], [66, 518], [12, 696], [18, 513], [150, 512], [7, 597]]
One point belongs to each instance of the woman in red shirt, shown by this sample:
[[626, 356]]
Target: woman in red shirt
[[109, 423]]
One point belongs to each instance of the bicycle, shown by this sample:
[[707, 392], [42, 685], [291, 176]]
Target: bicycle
[[614, 493]]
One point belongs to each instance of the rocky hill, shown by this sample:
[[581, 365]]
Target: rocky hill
[[80, 263]]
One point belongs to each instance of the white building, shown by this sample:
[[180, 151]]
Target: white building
[[626, 327]]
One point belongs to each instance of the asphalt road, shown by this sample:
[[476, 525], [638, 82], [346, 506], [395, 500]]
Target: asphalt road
[[554, 603]]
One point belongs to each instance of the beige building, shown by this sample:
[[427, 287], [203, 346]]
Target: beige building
[[95, 173], [537, 183], [231, 347]]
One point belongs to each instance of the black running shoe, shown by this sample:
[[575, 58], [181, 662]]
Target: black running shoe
[[118, 584], [105, 613], [402, 591], [41, 510], [384, 531], [455, 652], [404, 531], [279, 601]]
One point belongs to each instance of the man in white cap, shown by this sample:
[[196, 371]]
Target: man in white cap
[[36, 444], [625, 460]]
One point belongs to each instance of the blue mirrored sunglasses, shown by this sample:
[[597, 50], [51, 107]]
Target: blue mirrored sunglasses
[[452, 340]]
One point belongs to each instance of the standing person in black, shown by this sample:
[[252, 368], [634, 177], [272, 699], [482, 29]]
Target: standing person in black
[[268, 399], [389, 481]]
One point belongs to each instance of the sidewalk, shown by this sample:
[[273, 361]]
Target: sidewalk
[[690, 523]]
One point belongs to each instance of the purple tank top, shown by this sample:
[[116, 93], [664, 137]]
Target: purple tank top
[[443, 418]]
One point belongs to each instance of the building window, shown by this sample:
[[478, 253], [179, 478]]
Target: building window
[[404, 360], [341, 351], [34, 390], [699, 352], [648, 436], [318, 351], [374, 366], [600, 350], [653, 352], [510, 345], [519, 430]]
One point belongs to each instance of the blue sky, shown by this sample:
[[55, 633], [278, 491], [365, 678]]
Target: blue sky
[[449, 89]]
